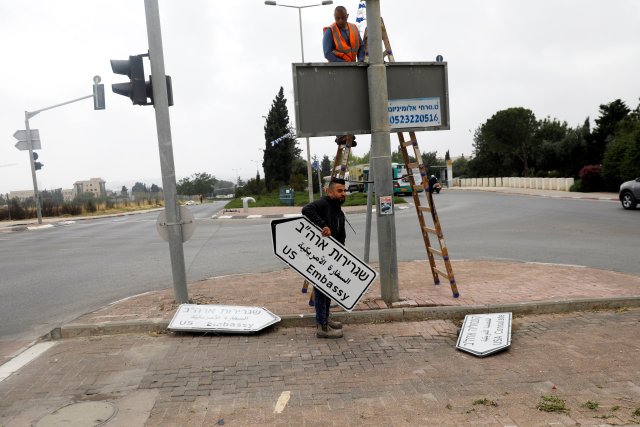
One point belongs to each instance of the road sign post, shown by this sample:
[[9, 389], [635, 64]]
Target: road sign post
[[323, 261]]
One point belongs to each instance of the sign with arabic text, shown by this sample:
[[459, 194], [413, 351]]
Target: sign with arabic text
[[323, 261], [484, 334], [221, 318]]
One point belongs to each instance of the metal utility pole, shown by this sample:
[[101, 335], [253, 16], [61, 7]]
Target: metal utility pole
[[381, 155], [163, 125]]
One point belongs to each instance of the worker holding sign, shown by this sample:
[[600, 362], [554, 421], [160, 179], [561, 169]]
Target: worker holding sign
[[327, 214]]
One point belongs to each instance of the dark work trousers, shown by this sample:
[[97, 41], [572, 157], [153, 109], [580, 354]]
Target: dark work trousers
[[322, 304]]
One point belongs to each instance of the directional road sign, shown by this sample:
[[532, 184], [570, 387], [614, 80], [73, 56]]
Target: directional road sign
[[323, 261], [22, 144], [484, 334], [222, 318]]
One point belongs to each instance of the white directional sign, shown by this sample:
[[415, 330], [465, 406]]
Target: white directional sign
[[484, 334], [324, 262], [23, 144], [222, 318]]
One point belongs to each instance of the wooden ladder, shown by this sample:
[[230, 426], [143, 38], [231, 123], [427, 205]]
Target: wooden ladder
[[425, 230]]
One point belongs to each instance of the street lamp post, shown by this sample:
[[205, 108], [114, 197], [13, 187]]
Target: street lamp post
[[324, 3]]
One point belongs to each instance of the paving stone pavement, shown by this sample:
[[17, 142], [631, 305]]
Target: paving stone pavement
[[392, 374]]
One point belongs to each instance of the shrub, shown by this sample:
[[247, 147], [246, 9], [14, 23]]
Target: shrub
[[71, 208], [90, 206], [591, 177]]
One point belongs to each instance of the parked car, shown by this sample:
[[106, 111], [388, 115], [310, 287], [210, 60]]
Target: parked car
[[630, 194], [190, 202]]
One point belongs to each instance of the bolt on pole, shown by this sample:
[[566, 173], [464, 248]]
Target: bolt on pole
[[381, 155], [163, 125]]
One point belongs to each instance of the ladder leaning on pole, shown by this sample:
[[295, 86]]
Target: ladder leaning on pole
[[425, 230]]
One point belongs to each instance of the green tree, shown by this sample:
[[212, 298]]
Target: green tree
[[460, 166], [124, 191], [504, 144], [280, 148], [430, 158], [610, 115], [155, 189], [325, 166], [139, 187], [199, 183], [622, 157]]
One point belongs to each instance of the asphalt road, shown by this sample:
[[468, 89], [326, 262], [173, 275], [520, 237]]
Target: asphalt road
[[51, 276]]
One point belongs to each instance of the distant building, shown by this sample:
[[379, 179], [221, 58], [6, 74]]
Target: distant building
[[94, 185], [69, 194]]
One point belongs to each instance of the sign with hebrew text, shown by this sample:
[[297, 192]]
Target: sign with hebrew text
[[323, 261]]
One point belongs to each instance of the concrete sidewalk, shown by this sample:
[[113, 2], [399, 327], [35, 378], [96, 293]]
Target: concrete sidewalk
[[564, 367], [575, 341]]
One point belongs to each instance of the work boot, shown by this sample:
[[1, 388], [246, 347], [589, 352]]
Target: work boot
[[342, 140], [328, 332], [335, 325]]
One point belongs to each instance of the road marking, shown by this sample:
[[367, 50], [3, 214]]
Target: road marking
[[40, 227], [292, 215], [553, 264], [253, 216], [282, 402], [24, 358]]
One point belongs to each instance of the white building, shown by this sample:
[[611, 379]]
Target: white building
[[94, 185]]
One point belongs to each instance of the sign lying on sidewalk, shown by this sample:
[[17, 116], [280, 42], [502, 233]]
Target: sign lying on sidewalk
[[221, 318], [485, 334], [324, 262]]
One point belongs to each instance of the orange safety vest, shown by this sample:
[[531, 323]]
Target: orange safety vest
[[344, 50]]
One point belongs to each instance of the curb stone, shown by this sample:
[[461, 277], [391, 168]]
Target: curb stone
[[367, 316]]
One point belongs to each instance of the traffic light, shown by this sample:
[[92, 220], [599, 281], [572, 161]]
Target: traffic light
[[98, 97], [138, 90], [37, 165]]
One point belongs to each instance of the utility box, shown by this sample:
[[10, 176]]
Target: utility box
[[287, 196]]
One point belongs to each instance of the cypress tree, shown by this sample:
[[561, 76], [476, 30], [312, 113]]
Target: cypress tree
[[279, 157]]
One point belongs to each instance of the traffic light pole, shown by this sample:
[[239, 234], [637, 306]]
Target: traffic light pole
[[36, 193], [163, 125], [30, 114]]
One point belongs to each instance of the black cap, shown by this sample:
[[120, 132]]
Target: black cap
[[338, 180]]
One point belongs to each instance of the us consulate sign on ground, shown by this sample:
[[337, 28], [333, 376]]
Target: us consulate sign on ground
[[323, 261], [333, 98]]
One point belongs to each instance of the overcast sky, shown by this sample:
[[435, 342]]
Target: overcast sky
[[228, 60]]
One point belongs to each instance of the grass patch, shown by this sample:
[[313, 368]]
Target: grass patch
[[551, 404], [449, 407], [636, 413], [615, 408], [485, 402], [301, 199], [591, 405]]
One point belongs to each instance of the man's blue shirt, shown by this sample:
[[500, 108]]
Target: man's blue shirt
[[328, 47]]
